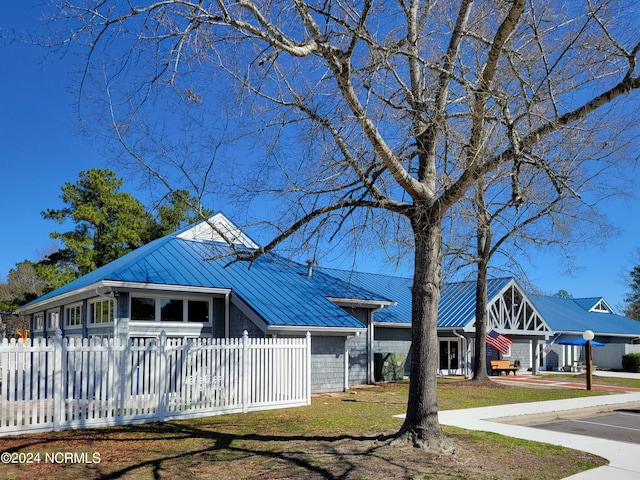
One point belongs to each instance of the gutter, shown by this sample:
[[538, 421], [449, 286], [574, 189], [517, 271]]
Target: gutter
[[328, 331], [358, 302], [38, 305]]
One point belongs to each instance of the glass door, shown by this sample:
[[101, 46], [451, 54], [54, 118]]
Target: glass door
[[449, 357]]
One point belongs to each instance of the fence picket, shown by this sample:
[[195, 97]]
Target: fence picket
[[60, 383]]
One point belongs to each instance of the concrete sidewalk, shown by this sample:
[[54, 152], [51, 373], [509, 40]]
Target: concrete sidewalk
[[578, 383], [624, 458]]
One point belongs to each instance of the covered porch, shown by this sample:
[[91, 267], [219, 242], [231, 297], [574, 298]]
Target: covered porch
[[510, 313]]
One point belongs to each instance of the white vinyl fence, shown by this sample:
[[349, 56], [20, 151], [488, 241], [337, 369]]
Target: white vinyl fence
[[64, 383]]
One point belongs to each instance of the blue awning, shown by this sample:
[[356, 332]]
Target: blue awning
[[580, 342]]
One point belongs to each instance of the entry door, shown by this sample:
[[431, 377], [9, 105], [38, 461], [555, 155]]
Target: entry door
[[449, 355]]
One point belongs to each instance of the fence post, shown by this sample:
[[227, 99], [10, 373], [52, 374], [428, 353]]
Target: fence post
[[245, 372], [162, 373], [58, 379], [308, 367]]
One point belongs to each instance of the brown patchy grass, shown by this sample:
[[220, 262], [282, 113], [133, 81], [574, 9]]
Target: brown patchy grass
[[338, 436]]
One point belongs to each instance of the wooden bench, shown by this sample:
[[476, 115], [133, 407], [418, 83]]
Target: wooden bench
[[499, 366]]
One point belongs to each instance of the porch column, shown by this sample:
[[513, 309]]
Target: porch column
[[535, 356]]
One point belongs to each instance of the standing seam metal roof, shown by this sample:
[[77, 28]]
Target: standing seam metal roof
[[278, 290], [457, 308], [573, 315]]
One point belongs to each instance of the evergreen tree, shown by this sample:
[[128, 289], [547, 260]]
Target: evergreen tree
[[178, 210], [562, 294], [108, 223], [633, 298]]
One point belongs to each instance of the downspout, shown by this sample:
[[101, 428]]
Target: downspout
[[465, 370], [227, 307]]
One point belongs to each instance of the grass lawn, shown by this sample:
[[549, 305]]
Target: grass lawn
[[338, 436]]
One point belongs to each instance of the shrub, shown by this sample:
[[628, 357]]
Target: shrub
[[631, 362]]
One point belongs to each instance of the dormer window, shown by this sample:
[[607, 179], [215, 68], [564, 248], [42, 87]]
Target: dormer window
[[602, 307]]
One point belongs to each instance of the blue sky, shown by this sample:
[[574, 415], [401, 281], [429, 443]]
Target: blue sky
[[40, 150]]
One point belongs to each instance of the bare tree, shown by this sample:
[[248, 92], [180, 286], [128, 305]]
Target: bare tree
[[400, 100], [528, 208]]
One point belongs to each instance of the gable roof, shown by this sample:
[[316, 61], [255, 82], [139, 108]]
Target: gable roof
[[457, 307], [217, 229], [594, 304], [276, 289], [281, 293], [568, 315]]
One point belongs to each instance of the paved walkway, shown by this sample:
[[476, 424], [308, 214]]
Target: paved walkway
[[578, 383], [623, 457]]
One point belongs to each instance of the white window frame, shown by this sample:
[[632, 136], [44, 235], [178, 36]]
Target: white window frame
[[53, 320], [91, 312], [185, 308], [38, 322], [77, 307]]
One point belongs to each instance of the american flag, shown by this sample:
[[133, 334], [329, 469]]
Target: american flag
[[498, 341]]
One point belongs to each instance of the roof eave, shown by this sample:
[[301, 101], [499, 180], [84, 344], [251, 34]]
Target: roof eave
[[392, 324], [605, 334], [359, 302], [116, 284], [303, 329], [112, 286], [39, 305]]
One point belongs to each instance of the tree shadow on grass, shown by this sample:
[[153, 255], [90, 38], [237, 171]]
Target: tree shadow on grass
[[161, 449], [295, 452]]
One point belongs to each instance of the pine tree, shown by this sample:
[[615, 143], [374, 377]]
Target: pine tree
[[633, 298], [108, 222]]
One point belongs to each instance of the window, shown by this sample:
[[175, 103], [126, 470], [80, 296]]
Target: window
[[198, 311], [101, 312], [171, 310], [164, 309], [601, 307], [143, 309], [38, 322], [53, 320], [73, 316]]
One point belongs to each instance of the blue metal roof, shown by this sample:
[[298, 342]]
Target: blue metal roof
[[457, 307], [569, 315], [277, 289], [396, 288], [587, 303], [281, 293]]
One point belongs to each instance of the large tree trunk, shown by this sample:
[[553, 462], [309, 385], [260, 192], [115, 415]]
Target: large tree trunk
[[483, 251], [421, 425], [480, 355]]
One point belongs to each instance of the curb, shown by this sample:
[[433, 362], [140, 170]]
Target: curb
[[545, 417]]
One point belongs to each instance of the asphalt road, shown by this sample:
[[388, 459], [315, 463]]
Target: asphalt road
[[621, 425]]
